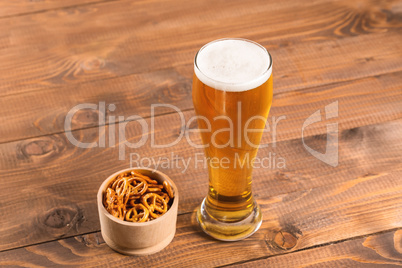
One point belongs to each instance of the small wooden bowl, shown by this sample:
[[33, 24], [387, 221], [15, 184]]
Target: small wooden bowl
[[138, 238]]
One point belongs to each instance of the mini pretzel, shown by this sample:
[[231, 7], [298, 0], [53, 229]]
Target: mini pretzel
[[133, 215], [110, 197], [122, 186], [168, 189], [157, 203], [140, 186], [164, 196], [117, 183]]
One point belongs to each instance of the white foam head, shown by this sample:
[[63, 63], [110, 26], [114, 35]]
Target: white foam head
[[233, 65]]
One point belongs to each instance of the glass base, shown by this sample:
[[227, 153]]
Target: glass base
[[229, 231]]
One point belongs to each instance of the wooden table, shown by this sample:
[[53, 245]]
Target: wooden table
[[59, 54]]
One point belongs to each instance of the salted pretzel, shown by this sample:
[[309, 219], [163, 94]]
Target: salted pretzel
[[140, 187], [135, 216], [164, 196], [154, 203], [134, 197], [168, 189]]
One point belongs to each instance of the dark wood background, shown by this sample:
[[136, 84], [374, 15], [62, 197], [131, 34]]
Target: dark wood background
[[55, 55]]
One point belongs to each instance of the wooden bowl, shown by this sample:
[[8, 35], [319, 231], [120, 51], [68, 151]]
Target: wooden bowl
[[138, 238]]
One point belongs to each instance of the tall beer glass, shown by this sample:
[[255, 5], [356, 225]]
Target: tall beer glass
[[232, 96]]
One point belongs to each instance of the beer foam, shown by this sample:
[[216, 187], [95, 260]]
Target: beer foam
[[233, 65]]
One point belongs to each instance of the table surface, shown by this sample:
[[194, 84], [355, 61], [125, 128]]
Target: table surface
[[56, 55]]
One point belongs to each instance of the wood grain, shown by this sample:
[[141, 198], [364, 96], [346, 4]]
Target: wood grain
[[339, 59], [69, 189], [382, 250], [133, 95], [55, 55], [24, 7], [317, 216], [94, 42]]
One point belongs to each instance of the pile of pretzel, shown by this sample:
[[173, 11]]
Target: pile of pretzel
[[134, 197]]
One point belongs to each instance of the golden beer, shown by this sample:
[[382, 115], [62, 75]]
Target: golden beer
[[232, 96]]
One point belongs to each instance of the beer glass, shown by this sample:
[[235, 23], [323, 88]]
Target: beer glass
[[232, 96]]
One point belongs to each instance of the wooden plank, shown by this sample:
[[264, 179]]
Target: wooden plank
[[365, 101], [104, 41], [133, 95], [292, 222], [24, 7], [57, 178], [373, 251]]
